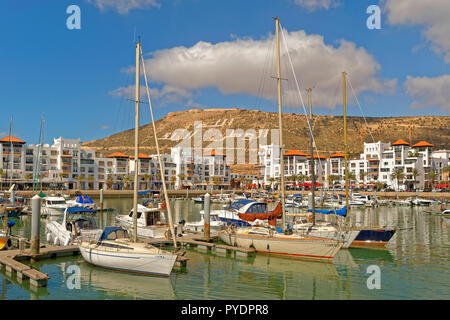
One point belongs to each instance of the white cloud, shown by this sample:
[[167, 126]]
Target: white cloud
[[104, 127], [433, 15], [124, 6], [246, 66], [428, 92], [312, 5], [167, 94]]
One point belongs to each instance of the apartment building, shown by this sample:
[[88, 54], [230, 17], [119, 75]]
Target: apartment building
[[377, 163]]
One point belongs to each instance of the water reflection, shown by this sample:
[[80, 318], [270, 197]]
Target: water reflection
[[415, 264]]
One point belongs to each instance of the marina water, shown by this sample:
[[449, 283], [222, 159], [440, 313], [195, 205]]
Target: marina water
[[414, 265]]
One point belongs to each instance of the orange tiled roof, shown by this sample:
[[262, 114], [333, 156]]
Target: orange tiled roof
[[338, 155], [400, 142], [11, 139], [117, 155], [214, 153], [316, 157], [142, 156], [295, 153], [423, 144]]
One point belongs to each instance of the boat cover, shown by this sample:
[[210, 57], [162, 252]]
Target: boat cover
[[83, 199], [108, 230], [340, 212], [79, 210]]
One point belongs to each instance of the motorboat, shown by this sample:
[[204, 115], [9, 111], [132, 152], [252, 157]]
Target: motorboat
[[151, 222], [77, 224], [421, 202], [115, 250], [54, 205], [214, 222], [84, 201], [200, 199]]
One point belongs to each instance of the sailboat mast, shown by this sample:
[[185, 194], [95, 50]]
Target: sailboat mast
[[283, 218], [38, 158], [161, 168], [313, 171], [11, 158], [346, 148], [136, 142]]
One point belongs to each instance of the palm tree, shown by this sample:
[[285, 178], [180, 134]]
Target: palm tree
[[28, 176], [2, 174], [351, 177], [432, 175], [415, 173], [301, 178], [109, 181], [146, 177], [398, 176], [362, 176], [379, 185], [292, 178], [127, 180], [80, 178], [181, 177], [173, 179], [91, 182]]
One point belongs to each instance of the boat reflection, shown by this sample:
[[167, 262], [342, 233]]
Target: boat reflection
[[125, 284]]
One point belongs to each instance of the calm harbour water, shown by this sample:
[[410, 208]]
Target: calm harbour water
[[414, 265]]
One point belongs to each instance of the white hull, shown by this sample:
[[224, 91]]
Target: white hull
[[153, 264], [284, 245], [199, 225], [49, 211], [346, 237]]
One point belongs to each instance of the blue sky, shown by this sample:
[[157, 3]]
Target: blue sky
[[69, 75]]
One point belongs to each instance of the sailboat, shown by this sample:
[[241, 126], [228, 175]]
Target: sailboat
[[269, 241], [115, 249], [323, 229], [368, 236]]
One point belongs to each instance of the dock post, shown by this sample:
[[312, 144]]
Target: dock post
[[12, 197], [101, 199], [35, 223], [207, 208]]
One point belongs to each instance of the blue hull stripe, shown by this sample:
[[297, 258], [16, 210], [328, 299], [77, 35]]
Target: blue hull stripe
[[373, 235]]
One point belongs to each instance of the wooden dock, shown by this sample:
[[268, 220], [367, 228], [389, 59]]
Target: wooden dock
[[196, 240], [10, 260]]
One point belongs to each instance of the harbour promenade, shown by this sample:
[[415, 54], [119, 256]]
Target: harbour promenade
[[196, 193]]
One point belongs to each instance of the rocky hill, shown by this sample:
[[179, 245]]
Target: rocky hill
[[328, 130]]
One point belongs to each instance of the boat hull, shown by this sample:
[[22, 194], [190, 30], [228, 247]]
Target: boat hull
[[372, 238], [294, 247], [150, 264]]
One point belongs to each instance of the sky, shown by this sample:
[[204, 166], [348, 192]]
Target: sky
[[209, 54]]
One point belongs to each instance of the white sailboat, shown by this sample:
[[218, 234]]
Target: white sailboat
[[115, 249], [267, 240]]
